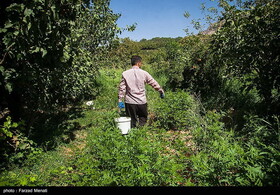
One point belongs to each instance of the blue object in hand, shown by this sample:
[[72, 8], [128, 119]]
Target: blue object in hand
[[121, 105], [161, 95]]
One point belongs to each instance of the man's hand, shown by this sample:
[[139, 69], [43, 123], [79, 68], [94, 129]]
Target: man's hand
[[161, 95], [121, 105]]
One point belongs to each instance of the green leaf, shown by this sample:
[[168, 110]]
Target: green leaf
[[2, 69], [8, 25], [16, 33], [3, 30], [8, 87], [29, 26], [44, 52], [32, 179], [28, 12]]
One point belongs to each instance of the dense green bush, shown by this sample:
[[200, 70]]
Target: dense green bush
[[196, 66], [51, 53], [178, 111], [224, 158], [248, 45]]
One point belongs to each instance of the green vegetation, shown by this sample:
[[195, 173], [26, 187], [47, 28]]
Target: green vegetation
[[217, 126]]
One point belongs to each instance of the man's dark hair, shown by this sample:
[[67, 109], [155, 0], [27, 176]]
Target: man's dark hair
[[135, 60]]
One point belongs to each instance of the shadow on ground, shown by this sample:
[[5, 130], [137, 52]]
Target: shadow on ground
[[51, 129]]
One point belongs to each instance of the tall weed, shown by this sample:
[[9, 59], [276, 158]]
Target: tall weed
[[178, 111], [223, 158]]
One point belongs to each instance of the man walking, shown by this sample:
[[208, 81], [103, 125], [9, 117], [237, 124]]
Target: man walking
[[132, 88]]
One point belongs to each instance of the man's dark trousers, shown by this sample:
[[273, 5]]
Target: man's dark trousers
[[137, 110]]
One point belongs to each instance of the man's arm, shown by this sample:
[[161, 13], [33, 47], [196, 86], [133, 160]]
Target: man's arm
[[151, 81], [122, 89]]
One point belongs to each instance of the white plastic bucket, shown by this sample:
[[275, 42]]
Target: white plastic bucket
[[123, 123]]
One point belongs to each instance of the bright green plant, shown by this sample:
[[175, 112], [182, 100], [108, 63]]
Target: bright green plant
[[5, 130], [130, 160], [178, 111]]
